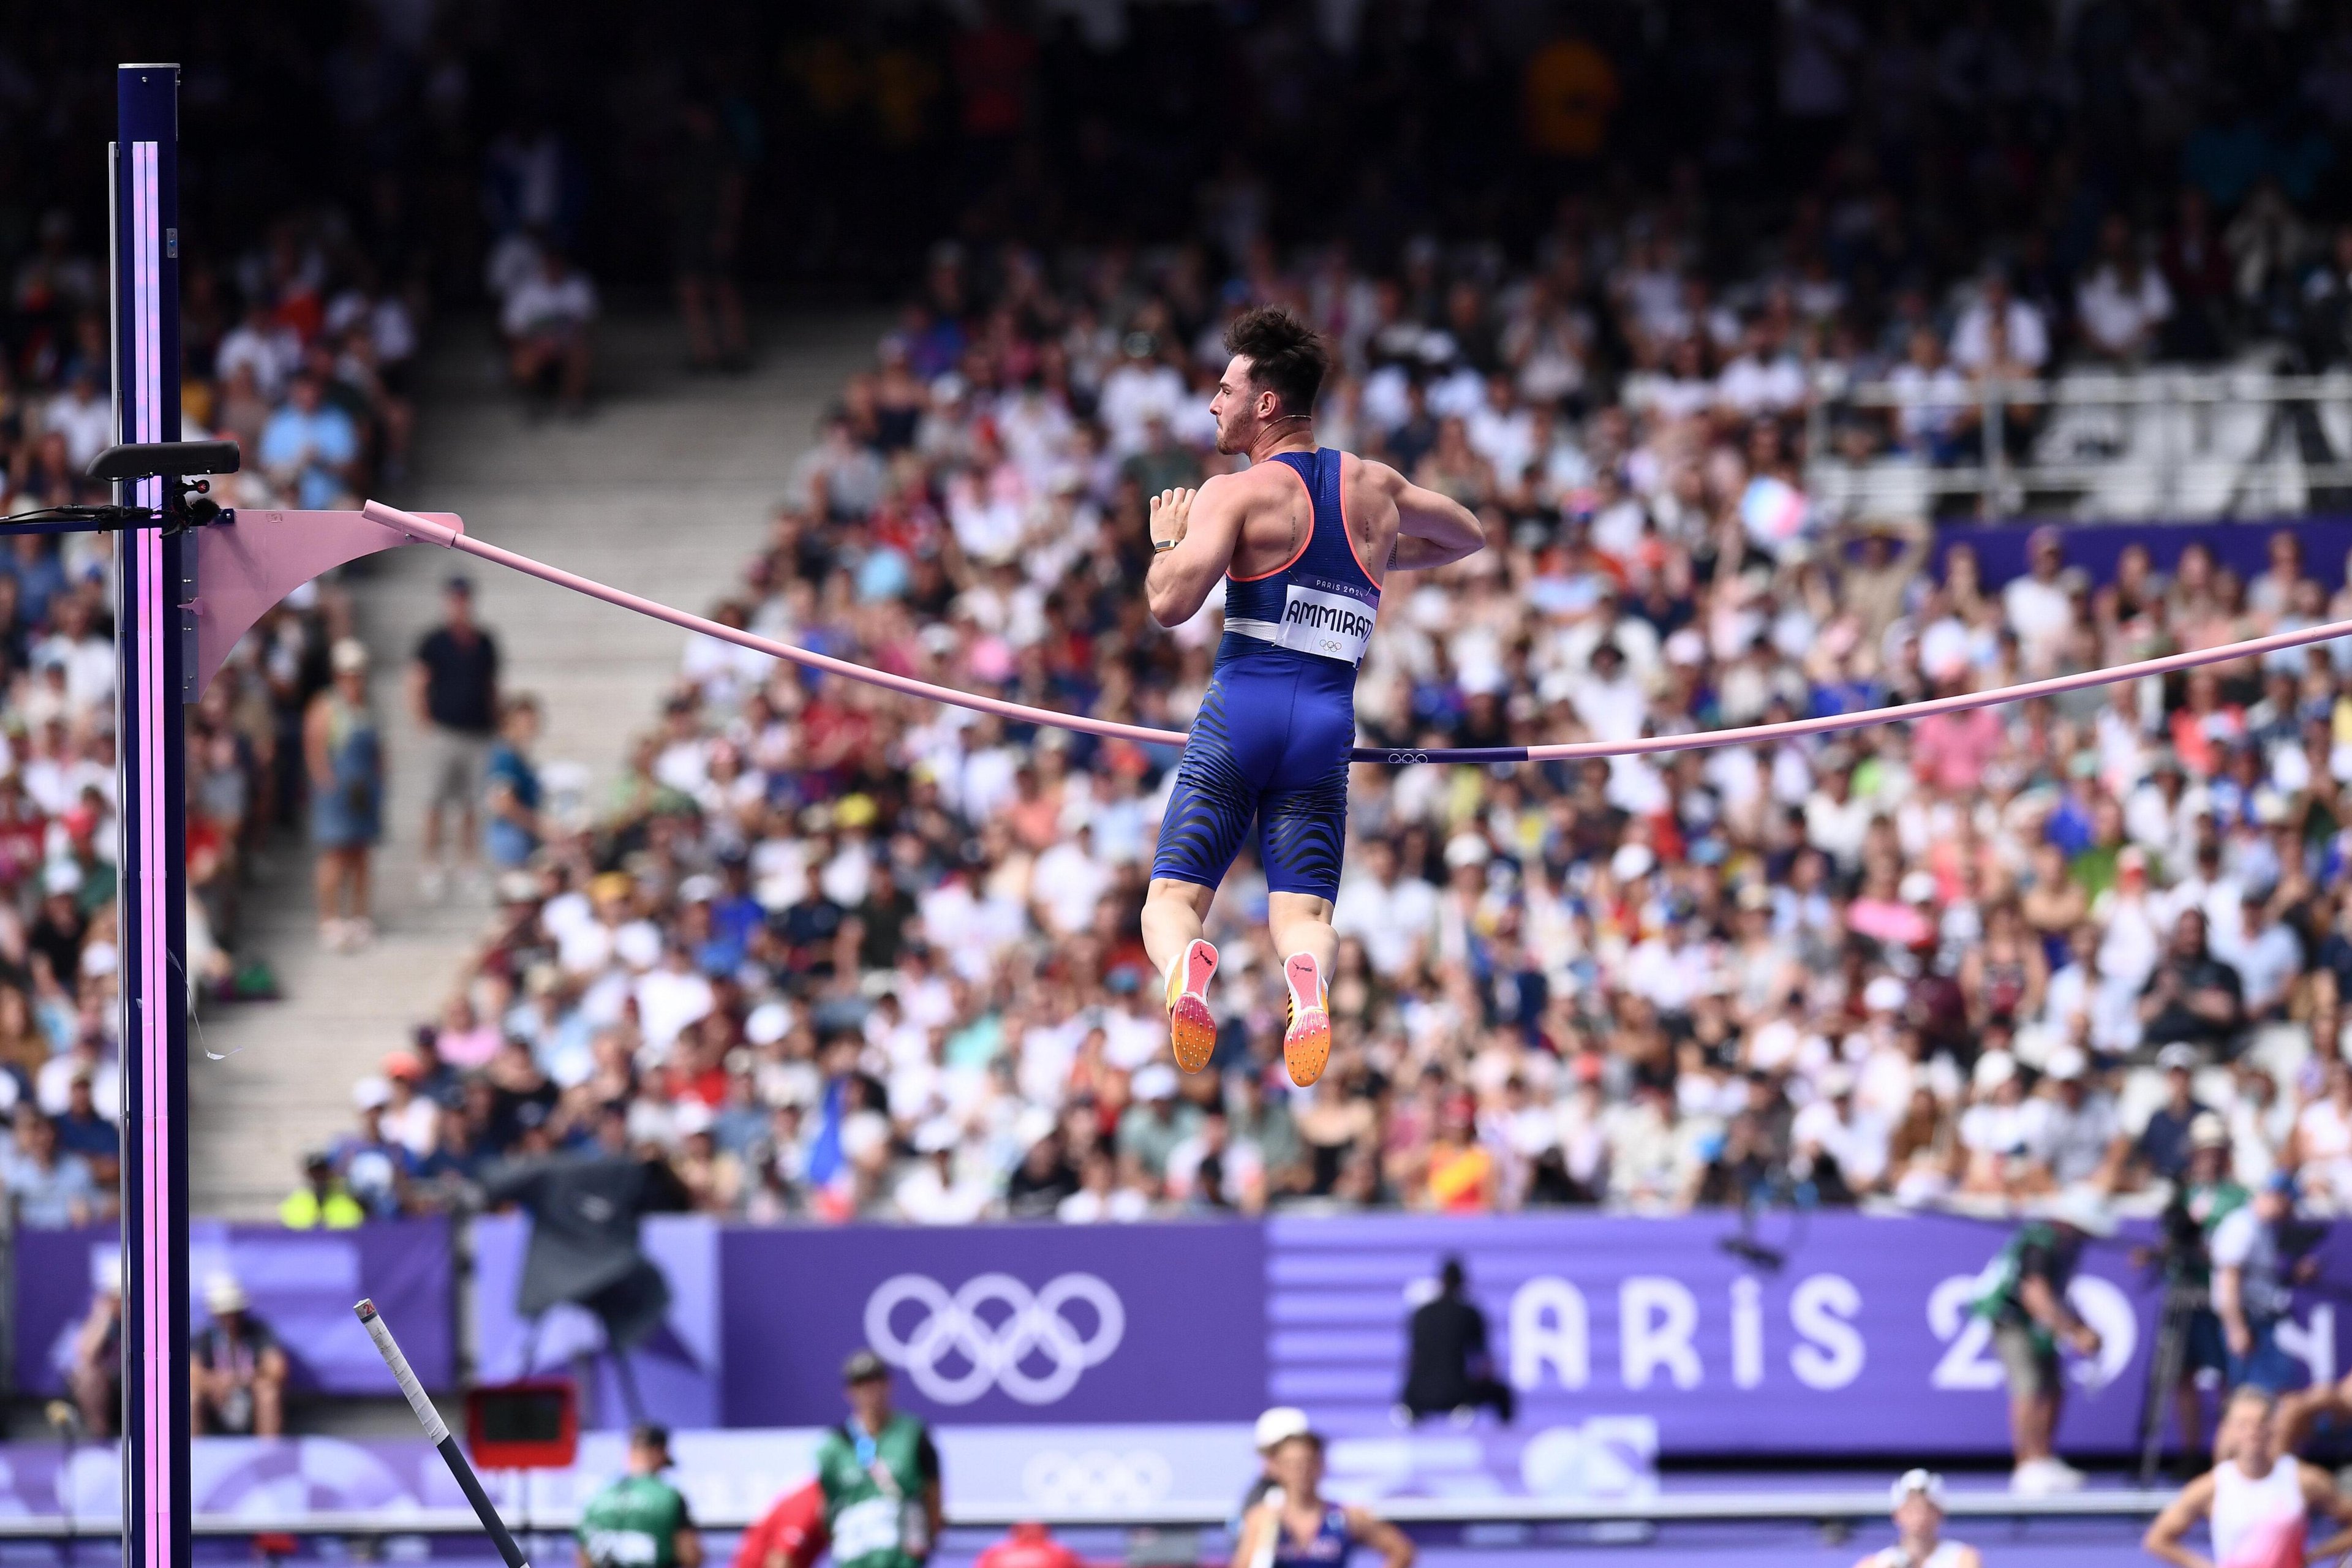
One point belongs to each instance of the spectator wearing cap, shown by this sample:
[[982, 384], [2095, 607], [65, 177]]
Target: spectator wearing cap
[[453, 694], [2193, 998], [344, 754], [2252, 1274], [640, 1521], [1275, 1427], [1296, 1523], [323, 1201], [881, 1473], [1917, 1502], [374, 1166], [236, 1374]]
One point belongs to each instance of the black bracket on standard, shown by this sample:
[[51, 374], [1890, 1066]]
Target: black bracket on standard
[[150, 459], [188, 505]]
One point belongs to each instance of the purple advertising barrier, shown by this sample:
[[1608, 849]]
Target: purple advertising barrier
[[303, 1284], [2243, 547], [1860, 1342], [1006, 1323]]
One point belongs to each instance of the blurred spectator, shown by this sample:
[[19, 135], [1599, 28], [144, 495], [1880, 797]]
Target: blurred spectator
[[236, 1373], [1917, 1503], [345, 757], [546, 319], [49, 1188], [96, 1374], [323, 1201], [453, 693], [1449, 1366]]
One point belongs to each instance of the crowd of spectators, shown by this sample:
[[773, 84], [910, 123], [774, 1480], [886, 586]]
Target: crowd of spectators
[[300, 356], [837, 952]]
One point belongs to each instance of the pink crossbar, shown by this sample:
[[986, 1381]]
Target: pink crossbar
[[428, 531]]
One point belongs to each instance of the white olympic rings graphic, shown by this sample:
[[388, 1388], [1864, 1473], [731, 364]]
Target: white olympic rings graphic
[[995, 1354], [1095, 1480]]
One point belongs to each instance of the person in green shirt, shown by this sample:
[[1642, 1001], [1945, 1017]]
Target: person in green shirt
[[880, 1476], [640, 1521]]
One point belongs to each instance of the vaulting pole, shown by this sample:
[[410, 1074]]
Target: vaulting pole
[[150, 898]]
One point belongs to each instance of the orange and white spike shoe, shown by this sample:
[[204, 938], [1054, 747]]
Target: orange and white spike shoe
[[1307, 1043], [1192, 1028]]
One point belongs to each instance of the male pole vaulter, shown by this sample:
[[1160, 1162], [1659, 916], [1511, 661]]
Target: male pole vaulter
[[1303, 538]]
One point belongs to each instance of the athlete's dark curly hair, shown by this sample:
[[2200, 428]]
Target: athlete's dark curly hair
[[1286, 356]]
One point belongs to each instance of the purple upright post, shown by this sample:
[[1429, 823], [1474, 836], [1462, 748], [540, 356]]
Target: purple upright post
[[151, 901]]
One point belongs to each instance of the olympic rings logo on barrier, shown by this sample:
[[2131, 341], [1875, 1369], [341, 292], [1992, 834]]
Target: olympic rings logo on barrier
[[1096, 1480], [1406, 758], [1034, 1327]]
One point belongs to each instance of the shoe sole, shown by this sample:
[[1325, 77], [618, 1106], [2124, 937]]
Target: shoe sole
[[1307, 1043], [1192, 1028]]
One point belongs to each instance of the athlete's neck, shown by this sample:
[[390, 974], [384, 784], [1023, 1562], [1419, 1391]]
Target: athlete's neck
[[1291, 433]]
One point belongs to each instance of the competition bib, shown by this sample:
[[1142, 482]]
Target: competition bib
[[867, 1527], [1331, 625]]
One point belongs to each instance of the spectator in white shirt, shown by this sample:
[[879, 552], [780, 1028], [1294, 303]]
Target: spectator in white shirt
[[546, 319], [2037, 605], [1935, 408], [934, 1191], [1394, 917], [2028, 335], [84, 418], [2124, 301], [262, 346]]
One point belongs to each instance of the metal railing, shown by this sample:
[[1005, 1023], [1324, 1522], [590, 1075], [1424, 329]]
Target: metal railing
[[2156, 443]]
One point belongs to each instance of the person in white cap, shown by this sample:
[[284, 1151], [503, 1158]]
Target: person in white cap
[[1295, 1526], [2258, 1500], [236, 1376], [1916, 1499], [1275, 1427], [2026, 1303]]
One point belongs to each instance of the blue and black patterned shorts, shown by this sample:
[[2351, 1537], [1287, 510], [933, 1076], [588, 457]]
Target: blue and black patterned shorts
[[1271, 744]]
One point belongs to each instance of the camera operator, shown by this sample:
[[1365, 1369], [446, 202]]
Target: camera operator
[[2030, 1317]]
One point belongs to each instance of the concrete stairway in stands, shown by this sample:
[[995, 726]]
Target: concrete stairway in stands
[[666, 490]]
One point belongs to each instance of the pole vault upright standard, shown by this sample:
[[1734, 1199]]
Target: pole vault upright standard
[[150, 900]]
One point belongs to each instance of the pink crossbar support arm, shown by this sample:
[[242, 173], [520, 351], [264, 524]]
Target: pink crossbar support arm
[[427, 530], [245, 567], [434, 533]]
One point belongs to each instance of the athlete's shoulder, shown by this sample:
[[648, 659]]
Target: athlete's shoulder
[[1370, 472]]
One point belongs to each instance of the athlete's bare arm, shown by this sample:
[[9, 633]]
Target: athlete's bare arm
[[2163, 1538], [1206, 524], [2320, 1496], [1431, 530]]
